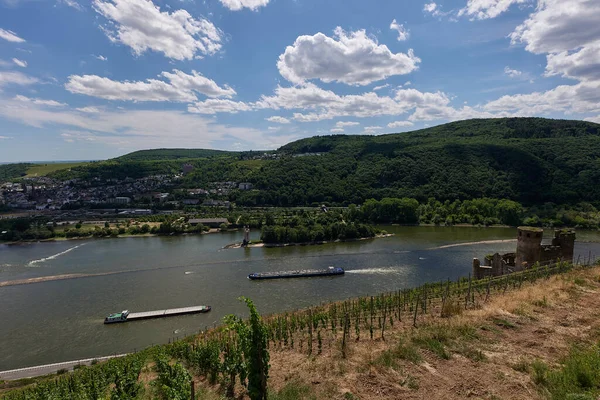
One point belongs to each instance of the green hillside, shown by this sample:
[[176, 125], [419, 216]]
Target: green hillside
[[530, 160], [173, 154], [9, 172]]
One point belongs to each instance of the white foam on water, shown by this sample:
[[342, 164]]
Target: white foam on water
[[372, 271], [52, 257], [473, 243], [189, 272], [422, 258]]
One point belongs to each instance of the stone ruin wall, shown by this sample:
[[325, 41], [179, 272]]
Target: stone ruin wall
[[529, 251]]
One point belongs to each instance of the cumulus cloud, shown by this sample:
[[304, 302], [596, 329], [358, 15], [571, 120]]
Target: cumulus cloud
[[319, 104], [10, 36], [352, 58], [399, 124], [403, 33], [181, 87], [485, 9], [141, 25], [583, 64], [39, 102], [278, 120], [20, 63], [513, 73], [559, 25], [214, 106], [236, 5], [581, 98]]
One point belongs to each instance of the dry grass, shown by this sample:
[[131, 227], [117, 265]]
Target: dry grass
[[494, 352]]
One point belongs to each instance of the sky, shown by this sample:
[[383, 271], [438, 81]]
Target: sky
[[95, 79]]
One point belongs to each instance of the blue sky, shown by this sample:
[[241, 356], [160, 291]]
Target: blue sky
[[95, 79]]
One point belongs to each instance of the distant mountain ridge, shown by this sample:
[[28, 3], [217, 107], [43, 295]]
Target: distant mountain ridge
[[172, 154]]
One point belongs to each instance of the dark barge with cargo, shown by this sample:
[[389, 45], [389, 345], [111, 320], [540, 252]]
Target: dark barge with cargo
[[304, 273]]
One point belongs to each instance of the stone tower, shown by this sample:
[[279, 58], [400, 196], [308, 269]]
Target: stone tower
[[529, 246], [565, 239]]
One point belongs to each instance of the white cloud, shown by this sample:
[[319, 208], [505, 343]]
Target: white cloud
[[325, 104], [39, 102], [372, 129], [237, 5], [431, 8], [278, 120], [10, 36], [16, 78], [91, 110], [181, 87], [214, 106], [135, 129], [101, 57], [408, 83], [376, 88], [71, 3], [20, 63], [403, 33], [581, 98], [593, 119], [582, 65], [5, 137], [336, 130], [399, 124], [485, 9], [344, 124], [141, 25], [435, 10], [559, 25], [513, 73], [352, 58]]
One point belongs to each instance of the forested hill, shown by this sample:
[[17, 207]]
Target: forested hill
[[482, 130], [530, 160], [173, 154]]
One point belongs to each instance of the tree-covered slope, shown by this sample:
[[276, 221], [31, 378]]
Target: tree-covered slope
[[172, 154], [532, 160], [13, 171]]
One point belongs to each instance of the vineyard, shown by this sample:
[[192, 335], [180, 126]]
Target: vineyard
[[233, 359]]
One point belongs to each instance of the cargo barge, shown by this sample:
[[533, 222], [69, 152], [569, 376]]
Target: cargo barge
[[305, 273], [126, 316]]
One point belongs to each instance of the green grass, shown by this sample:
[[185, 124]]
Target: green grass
[[45, 169], [294, 391], [578, 377], [504, 323]]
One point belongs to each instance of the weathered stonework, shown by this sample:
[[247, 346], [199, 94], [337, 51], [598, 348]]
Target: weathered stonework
[[529, 252]]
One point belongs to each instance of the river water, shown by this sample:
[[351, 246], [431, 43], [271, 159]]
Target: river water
[[62, 320]]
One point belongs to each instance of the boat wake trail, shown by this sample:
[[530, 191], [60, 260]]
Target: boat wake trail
[[472, 243], [372, 271], [41, 260]]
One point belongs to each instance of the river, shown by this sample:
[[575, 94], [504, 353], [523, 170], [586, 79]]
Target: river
[[61, 320]]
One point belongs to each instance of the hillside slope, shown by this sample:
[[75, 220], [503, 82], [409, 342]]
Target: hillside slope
[[530, 160]]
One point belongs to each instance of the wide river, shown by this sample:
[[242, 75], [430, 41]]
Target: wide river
[[62, 320]]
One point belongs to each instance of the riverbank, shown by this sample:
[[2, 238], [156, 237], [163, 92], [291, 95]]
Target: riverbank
[[252, 245], [123, 236]]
